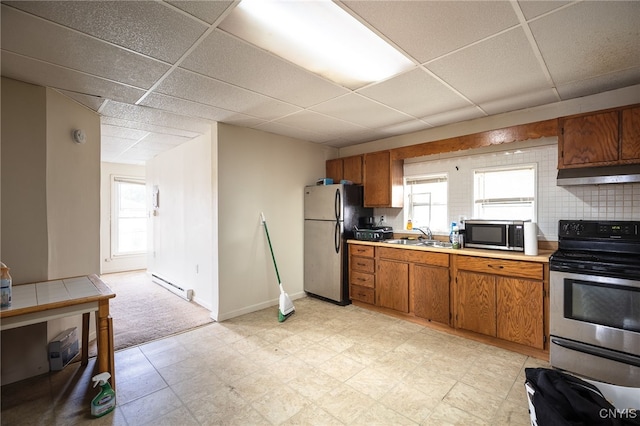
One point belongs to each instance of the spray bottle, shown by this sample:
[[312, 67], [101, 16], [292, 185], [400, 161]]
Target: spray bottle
[[105, 401]]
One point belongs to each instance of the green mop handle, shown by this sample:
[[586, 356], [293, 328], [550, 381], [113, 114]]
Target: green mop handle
[[266, 230]]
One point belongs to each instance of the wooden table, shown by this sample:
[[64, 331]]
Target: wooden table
[[48, 300]]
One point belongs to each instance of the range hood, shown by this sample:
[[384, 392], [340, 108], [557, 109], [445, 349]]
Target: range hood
[[599, 175]]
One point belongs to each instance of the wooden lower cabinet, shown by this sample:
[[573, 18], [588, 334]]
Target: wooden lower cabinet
[[362, 273], [431, 293], [519, 311], [392, 285], [496, 303], [476, 302]]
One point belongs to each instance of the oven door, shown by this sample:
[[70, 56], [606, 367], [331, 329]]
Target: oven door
[[595, 326]]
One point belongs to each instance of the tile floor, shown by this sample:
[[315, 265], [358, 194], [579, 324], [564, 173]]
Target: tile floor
[[325, 365]]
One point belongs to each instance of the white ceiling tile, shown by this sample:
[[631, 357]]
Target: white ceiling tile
[[252, 68], [612, 81], [589, 39], [428, 95], [147, 27], [194, 109], [429, 29], [159, 142], [122, 132], [33, 37], [152, 128], [191, 86], [361, 111], [44, 74], [208, 11], [531, 9], [293, 132], [454, 116], [320, 124], [147, 115], [514, 103], [502, 66]]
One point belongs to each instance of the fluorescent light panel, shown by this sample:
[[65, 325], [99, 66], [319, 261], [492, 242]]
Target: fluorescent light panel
[[319, 36]]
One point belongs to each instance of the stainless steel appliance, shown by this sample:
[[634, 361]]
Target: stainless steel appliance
[[594, 317], [494, 234], [331, 213], [375, 233]]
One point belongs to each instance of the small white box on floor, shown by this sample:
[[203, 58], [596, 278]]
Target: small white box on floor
[[63, 349]]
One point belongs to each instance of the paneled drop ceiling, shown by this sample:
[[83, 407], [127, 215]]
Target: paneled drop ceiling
[[159, 72]]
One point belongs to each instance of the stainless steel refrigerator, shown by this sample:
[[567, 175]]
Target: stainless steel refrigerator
[[330, 214]]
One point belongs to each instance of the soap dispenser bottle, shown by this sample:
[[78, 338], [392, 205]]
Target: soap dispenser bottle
[[105, 401], [5, 286]]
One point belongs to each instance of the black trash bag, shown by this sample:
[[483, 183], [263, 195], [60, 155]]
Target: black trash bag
[[565, 400]]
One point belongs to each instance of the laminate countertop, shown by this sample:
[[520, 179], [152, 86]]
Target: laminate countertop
[[542, 256]]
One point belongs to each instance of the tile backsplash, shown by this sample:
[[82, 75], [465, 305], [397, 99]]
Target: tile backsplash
[[602, 202]]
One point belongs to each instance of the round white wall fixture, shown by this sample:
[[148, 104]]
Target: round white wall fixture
[[79, 136]]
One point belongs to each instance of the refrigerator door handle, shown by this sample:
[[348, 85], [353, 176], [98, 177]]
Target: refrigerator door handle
[[337, 237], [337, 203]]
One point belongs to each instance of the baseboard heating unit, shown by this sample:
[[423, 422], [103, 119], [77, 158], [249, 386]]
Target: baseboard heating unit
[[185, 294]]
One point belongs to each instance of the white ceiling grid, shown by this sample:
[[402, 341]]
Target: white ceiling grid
[[159, 72]]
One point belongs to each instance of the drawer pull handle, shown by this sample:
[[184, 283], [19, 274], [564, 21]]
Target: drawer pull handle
[[361, 279], [362, 264], [496, 266]]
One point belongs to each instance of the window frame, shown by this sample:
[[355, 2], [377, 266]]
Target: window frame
[[113, 222], [424, 178]]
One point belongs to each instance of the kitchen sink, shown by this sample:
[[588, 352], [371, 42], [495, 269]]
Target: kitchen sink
[[425, 243]]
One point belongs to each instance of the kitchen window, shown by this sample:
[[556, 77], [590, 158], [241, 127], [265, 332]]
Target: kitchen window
[[129, 216], [505, 193], [427, 201]]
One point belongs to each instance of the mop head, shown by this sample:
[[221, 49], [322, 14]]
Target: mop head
[[286, 308]]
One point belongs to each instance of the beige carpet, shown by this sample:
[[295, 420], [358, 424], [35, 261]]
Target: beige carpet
[[143, 311]]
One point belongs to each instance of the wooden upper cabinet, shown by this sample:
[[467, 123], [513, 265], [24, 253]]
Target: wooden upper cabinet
[[349, 168], [334, 169], [604, 138], [352, 169], [588, 140], [630, 143], [382, 180]]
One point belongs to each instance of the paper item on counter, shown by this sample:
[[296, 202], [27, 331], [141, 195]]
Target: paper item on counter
[[530, 238]]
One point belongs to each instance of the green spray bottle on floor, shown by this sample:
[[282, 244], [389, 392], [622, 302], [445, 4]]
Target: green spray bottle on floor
[[105, 401]]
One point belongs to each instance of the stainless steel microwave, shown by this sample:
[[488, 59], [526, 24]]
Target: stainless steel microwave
[[494, 234]]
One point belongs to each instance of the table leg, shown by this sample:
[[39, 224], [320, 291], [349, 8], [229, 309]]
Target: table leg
[[85, 339], [105, 341]]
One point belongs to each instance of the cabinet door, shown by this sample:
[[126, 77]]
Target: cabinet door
[[589, 139], [392, 285], [476, 302], [630, 148], [334, 169], [519, 313], [352, 169], [431, 293], [377, 180]]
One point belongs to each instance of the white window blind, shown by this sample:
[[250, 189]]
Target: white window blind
[[505, 193], [129, 216]]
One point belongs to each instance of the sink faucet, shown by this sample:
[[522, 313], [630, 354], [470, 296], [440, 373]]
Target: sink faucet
[[428, 234]]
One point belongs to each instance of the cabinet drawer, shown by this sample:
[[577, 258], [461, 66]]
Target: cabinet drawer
[[508, 268], [362, 264], [362, 294], [362, 279], [358, 250]]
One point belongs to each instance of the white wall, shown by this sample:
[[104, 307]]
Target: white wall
[[262, 172], [182, 230], [109, 263], [50, 209]]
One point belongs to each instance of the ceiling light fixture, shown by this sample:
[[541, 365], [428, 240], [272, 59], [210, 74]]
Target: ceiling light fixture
[[318, 36]]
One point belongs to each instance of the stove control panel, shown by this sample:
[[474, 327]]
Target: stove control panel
[[587, 229]]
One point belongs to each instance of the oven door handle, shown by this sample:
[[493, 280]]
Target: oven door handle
[[596, 351]]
